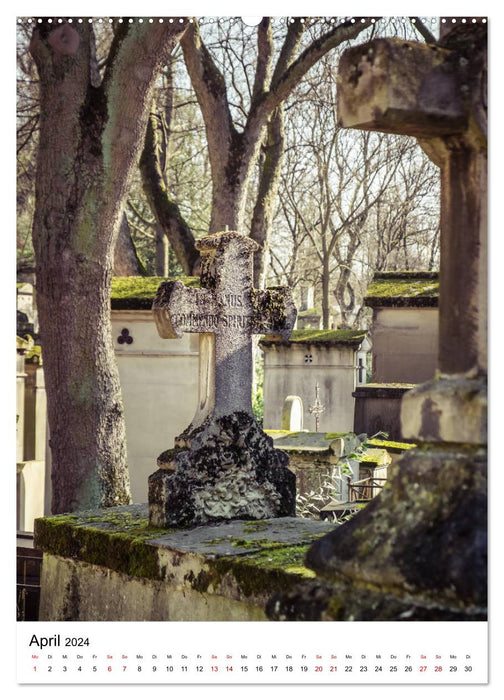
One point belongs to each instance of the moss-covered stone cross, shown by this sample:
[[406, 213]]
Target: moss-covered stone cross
[[227, 310]]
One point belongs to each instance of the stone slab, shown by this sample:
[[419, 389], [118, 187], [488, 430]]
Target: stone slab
[[242, 536], [303, 441], [110, 564]]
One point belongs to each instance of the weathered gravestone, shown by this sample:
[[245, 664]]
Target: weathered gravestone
[[223, 466], [418, 551], [292, 414]]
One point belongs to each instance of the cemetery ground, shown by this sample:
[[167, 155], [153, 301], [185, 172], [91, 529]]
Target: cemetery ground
[[218, 538]]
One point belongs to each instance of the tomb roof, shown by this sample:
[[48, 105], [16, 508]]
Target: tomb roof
[[403, 288], [339, 336], [138, 292]]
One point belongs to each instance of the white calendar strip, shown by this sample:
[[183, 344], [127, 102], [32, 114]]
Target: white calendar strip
[[263, 652]]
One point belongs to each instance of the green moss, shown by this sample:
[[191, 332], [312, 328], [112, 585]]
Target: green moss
[[340, 335], [118, 542], [139, 292], [390, 445], [363, 457], [34, 355], [249, 544], [264, 572], [405, 285]]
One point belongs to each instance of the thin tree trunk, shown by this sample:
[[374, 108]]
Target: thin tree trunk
[[165, 210], [126, 260], [325, 294], [162, 254], [262, 217]]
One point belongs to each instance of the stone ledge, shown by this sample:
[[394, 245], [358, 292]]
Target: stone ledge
[[451, 410], [231, 568], [395, 390]]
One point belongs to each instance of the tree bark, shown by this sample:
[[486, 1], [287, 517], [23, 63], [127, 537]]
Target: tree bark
[[326, 305], [91, 132], [162, 254]]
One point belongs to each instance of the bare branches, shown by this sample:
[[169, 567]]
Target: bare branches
[[209, 86], [285, 82], [350, 200]]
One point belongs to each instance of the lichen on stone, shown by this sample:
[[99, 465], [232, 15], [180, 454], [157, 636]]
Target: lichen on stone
[[227, 469]]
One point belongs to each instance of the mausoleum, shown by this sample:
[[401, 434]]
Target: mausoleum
[[404, 329], [404, 338], [159, 380], [308, 358]]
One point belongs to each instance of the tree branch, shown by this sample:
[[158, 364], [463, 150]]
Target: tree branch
[[210, 88], [264, 56], [165, 210], [285, 83], [424, 31]]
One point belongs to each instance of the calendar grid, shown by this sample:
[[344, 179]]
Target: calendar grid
[[311, 653]]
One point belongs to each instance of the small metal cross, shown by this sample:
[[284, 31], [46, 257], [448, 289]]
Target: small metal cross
[[317, 408]]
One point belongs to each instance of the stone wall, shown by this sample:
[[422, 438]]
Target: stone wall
[[159, 382], [404, 344], [111, 565]]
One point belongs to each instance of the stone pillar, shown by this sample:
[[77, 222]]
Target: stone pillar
[[35, 413], [20, 401]]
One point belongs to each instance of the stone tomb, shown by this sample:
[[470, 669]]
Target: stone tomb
[[150, 367], [223, 466], [404, 330], [31, 474], [404, 335], [296, 365], [109, 564]]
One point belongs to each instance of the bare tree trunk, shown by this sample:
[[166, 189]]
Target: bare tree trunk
[[90, 138], [165, 210], [126, 260], [326, 307], [162, 254], [262, 217]]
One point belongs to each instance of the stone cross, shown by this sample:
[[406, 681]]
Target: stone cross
[[223, 466], [227, 310], [317, 408]]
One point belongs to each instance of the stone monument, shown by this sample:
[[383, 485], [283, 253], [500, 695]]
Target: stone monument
[[419, 550], [223, 466]]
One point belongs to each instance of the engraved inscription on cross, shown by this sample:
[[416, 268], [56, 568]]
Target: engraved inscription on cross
[[226, 311]]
